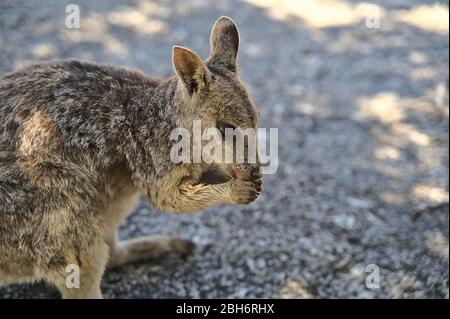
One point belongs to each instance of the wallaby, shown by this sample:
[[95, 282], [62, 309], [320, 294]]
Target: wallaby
[[79, 142]]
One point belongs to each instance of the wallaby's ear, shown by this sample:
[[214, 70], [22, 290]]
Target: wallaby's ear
[[224, 42], [189, 68]]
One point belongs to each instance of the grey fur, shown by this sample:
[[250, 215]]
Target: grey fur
[[80, 141]]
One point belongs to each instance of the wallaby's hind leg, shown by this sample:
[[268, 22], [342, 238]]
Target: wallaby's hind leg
[[149, 247], [91, 271]]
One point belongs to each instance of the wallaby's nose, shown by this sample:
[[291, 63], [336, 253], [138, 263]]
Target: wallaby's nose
[[248, 172], [256, 173]]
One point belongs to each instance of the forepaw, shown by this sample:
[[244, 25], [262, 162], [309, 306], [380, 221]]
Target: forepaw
[[244, 192]]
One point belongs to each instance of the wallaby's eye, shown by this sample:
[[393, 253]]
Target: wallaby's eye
[[222, 126]]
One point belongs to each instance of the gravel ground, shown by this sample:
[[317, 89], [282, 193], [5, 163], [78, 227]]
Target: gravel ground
[[363, 143]]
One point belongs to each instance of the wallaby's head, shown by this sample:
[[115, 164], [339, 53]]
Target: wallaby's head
[[212, 92]]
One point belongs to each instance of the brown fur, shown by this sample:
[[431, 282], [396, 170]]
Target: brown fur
[[79, 142]]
